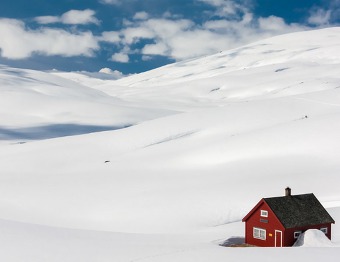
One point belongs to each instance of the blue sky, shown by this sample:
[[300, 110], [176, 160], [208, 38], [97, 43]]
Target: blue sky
[[132, 36]]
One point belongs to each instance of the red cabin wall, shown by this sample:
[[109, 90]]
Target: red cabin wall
[[255, 221], [289, 239]]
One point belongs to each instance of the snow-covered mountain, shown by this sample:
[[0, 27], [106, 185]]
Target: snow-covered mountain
[[205, 139]]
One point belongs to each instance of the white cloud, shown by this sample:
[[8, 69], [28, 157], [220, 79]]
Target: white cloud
[[47, 19], [111, 2], [146, 58], [319, 17], [115, 73], [167, 14], [141, 16], [18, 42], [72, 17], [159, 48], [216, 3], [166, 28], [181, 38], [227, 8], [120, 57], [110, 37], [105, 70], [272, 24], [197, 43], [132, 35], [325, 15], [75, 17]]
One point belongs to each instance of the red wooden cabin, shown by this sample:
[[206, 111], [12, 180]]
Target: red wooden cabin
[[278, 221]]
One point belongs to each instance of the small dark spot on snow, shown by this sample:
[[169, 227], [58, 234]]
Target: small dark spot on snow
[[215, 89], [281, 69], [107, 161]]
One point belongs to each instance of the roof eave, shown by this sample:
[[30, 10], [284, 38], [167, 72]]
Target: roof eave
[[253, 210]]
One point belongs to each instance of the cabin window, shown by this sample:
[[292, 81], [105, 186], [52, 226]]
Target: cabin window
[[324, 230], [297, 234], [259, 233], [264, 213]]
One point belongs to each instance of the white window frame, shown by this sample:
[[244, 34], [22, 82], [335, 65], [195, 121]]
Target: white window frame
[[259, 233], [324, 230], [264, 213], [297, 234]]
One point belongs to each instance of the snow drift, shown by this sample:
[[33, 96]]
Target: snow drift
[[313, 238]]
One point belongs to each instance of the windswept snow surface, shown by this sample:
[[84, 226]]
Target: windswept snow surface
[[207, 139]]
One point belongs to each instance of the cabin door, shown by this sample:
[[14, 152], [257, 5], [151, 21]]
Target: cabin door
[[278, 238]]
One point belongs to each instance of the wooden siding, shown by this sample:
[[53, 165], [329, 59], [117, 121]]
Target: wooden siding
[[270, 224]]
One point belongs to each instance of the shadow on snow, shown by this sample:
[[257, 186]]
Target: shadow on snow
[[233, 241], [52, 131]]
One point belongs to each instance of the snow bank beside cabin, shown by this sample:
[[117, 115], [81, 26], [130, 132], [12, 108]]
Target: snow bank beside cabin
[[313, 238]]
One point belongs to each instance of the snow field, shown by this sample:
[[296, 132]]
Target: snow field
[[207, 138]]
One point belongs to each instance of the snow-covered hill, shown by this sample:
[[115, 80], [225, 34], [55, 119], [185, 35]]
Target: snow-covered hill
[[280, 66], [36, 105], [207, 138]]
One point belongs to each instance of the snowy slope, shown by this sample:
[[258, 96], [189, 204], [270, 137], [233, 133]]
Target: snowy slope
[[319, 47], [37, 105], [280, 66], [214, 135], [181, 168]]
